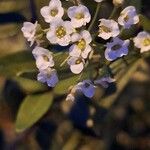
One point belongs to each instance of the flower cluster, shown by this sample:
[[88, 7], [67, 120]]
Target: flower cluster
[[72, 33]]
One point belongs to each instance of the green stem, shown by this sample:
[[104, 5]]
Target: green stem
[[112, 15], [63, 63], [95, 16]]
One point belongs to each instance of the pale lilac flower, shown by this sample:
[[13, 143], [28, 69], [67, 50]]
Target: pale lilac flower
[[86, 87], [48, 76], [81, 46], [76, 64], [108, 28], [29, 31], [53, 11], [44, 58], [59, 32], [142, 41], [79, 16], [128, 17], [104, 81], [116, 48]]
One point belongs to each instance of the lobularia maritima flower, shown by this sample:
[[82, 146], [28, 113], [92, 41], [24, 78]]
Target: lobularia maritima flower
[[48, 76], [108, 28], [29, 31], [128, 17], [104, 81], [53, 11], [79, 16], [86, 87], [60, 32], [142, 41], [117, 48], [98, 1], [81, 46], [118, 2], [44, 58], [76, 64]]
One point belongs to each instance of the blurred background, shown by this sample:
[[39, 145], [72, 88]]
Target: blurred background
[[123, 125]]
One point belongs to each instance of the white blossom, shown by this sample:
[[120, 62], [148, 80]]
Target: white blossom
[[118, 2], [53, 11], [86, 87], [142, 41], [48, 76], [70, 97], [108, 28], [116, 48], [76, 64], [29, 31], [104, 81], [79, 15], [81, 46], [59, 32], [128, 17], [44, 58], [98, 1]]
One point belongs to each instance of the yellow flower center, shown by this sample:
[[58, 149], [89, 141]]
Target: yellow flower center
[[60, 32], [116, 47], [81, 44], [54, 12], [45, 58], [104, 29], [79, 16], [78, 61], [49, 73], [126, 18], [146, 42]]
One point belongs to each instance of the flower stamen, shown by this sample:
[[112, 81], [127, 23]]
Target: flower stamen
[[60, 32]]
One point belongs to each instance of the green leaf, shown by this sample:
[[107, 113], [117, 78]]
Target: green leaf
[[145, 22], [30, 86], [63, 85], [12, 64], [32, 109]]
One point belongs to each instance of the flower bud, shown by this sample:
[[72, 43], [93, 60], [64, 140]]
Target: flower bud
[[118, 2]]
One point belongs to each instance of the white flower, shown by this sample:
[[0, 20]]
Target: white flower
[[108, 28], [48, 76], [118, 2], [81, 47], [98, 1], [76, 64], [70, 97], [104, 81], [86, 87], [44, 58], [128, 17], [116, 48], [79, 15], [29, 31], [59, 32], [53, 11], [142, 41]]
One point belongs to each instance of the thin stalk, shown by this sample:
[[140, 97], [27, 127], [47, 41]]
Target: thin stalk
[[112, 15], [95, 16], [63, 63]]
